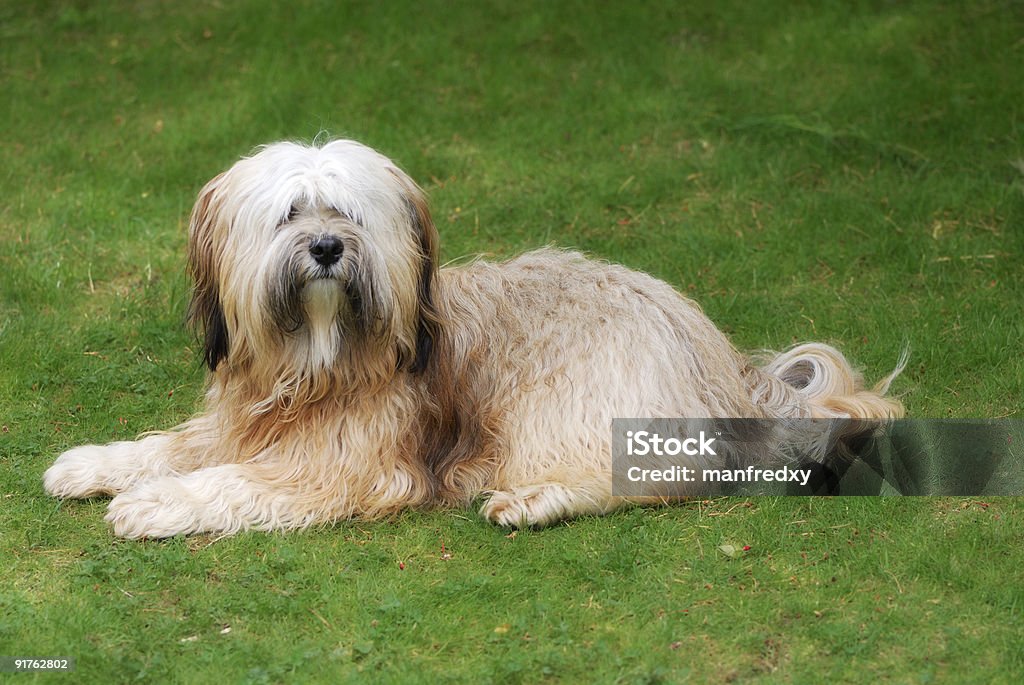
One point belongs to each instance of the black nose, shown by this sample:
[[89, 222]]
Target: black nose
[[326, 249]]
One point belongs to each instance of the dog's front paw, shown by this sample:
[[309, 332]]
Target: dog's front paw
[[78, 473], [158, 508]]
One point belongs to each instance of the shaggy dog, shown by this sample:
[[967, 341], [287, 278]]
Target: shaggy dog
[[350, 377]]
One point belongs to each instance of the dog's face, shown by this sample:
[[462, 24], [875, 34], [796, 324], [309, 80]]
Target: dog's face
[[303, 256]]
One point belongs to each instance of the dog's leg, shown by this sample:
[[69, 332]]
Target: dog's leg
[[93, 470], [542, 504], [229, 498], [224, 499]]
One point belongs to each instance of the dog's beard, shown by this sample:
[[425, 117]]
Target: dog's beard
[[326, 310]]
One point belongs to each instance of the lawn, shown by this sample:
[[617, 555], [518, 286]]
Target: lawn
[[844, 172]]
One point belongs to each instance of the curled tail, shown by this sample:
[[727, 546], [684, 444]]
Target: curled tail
[[815, 380]]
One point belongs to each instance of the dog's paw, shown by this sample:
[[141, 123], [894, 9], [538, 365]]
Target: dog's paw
[[158, 508], [78, 473], [536, 505]]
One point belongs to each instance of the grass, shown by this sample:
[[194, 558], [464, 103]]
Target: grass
[[847, 172]]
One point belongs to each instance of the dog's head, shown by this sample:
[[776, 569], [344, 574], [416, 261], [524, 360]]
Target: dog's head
[[304, 257]]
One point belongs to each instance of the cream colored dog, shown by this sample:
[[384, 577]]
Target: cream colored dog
[[352, 378]]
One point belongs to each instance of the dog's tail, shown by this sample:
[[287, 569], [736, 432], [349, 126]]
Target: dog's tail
[[815, 380]]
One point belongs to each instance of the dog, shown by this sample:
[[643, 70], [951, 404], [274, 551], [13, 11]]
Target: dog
[[351, 377]]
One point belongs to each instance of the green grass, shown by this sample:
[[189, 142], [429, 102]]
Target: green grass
[[846, 172]]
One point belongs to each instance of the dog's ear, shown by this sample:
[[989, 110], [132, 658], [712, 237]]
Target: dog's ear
[[428, 320], [205, 314]]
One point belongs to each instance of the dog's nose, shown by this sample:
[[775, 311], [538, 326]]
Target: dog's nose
[[326, 249]]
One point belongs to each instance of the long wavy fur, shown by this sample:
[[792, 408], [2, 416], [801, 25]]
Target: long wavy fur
[[372, 381]]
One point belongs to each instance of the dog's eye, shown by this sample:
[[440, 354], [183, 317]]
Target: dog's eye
[[348, 216], [293, 212]]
